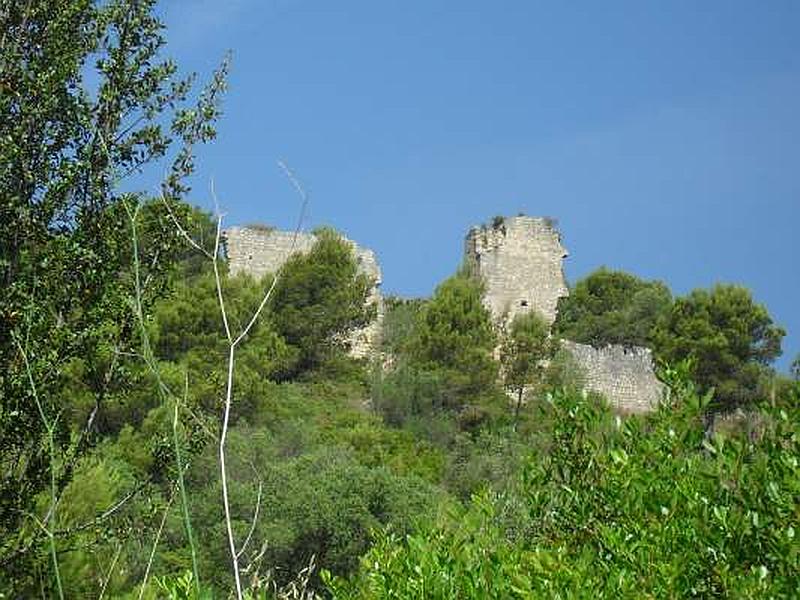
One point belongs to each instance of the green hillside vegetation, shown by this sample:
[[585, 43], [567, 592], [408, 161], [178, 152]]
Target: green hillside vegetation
[[422, 479], [460, 461]]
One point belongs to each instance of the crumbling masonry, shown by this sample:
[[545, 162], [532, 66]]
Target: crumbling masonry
[[260, 250], [622, 374], [520, 262]]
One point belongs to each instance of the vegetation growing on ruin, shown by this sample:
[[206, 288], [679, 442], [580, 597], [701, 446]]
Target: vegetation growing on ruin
[[729, 339], [612, 307]]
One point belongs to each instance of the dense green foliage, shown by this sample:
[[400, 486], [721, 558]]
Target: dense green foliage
[[647, 507], [443, 359], [612, 307], [525, 352], [454, 334], [66, 253], [730, 338], [319, 299], [398, 323]]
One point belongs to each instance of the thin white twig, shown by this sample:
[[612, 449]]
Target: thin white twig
[[103, 516], [155, 544], [110, 572], [258, 557], [255, 520], [219, 281], [232, 359], [182, 231], [257, 313], [232, 344], [214, 197], [295, 236], [224, 472]]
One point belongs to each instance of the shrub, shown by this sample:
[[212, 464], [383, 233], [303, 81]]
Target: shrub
[[642, 507]]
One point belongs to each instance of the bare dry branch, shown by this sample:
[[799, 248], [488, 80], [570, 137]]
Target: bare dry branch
[[232, 359], [104, 515], [255, 516], [233, 342], [219, 282], [155, 543], [296, 234], [182, 232], [110, 572]]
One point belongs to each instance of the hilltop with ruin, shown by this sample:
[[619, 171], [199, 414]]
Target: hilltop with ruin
[[520, 260]]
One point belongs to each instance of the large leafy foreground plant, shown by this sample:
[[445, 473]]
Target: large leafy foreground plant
[[644, 507], [85, 102]]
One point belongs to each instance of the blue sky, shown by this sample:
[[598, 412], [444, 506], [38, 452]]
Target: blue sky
[[664, 136]]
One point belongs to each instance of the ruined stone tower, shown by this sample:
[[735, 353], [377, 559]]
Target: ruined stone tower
[[259, 250], [519, 260]]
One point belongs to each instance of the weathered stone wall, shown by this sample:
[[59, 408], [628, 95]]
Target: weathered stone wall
[[261, 250], [519, 260], [623, 374]]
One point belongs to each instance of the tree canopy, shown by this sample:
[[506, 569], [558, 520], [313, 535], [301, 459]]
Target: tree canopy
[[454, 333], [86, 100], [730, 338], [612, 307], [320, 297], [524, 353]]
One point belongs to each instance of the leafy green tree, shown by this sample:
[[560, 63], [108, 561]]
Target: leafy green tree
[[730, 338], [612, 307], [85, 101], [319, 487], [454, 334], [467, 557], [524, 354], [564, 372], [399, 321], [320, 298], [795, 368], [188, 331], [443, 376]]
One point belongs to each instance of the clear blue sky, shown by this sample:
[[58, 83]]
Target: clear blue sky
[[664, 136]]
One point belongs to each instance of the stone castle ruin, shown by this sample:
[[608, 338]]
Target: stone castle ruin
[[622, 374], [258, 250], [520, 261]]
